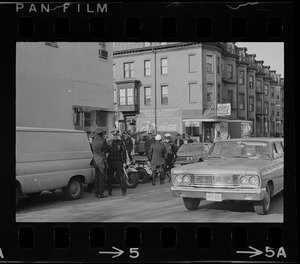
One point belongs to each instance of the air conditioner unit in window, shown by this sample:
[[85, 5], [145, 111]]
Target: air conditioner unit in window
[[103, 54]]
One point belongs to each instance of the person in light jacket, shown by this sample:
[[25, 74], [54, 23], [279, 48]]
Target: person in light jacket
[[99, 147], [157, 154]]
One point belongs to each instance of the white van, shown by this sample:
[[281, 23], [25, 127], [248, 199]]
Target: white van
[[50, 159]]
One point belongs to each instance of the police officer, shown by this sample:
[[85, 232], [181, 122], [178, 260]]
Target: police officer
[[170, 156], [117, 162], [157, 155], [128, 144], [99, 148]]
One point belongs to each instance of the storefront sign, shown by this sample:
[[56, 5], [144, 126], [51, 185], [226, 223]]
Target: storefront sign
[[224, 109], [170, 124]]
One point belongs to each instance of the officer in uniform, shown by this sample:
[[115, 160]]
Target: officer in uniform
[[157, 155], [128, 144], [99, 148], [117, 162], [170, 156]]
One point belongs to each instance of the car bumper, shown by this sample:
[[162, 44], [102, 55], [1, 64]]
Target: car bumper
[[226, 194]]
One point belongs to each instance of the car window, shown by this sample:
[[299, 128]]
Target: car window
[[241, 149], [279, 149], [190, 148]]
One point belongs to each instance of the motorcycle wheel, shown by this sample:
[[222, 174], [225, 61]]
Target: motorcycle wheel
[[133, 180], [143, 175]]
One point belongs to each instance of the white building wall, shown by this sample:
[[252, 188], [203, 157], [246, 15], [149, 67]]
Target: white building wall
[[49, 81]]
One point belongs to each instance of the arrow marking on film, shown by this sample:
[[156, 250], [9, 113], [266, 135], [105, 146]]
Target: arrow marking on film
[[117, 253], [255, 253]]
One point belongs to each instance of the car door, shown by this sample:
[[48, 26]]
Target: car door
[[280, 165]]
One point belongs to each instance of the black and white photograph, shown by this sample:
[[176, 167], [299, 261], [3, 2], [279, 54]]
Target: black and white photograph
[[150, 132]]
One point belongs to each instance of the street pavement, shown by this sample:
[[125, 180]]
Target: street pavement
[[145, 203]]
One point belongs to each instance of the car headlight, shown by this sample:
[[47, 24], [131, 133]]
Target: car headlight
[[253, 180], [249, 180], [186, 179], [243, 180], [177, 179]]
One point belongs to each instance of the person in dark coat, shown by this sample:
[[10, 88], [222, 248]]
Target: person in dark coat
[[99, 148], [189, 140], [170, 156], [149, 140], [178, 142], [117, 162], [128, 144], [157, 155]]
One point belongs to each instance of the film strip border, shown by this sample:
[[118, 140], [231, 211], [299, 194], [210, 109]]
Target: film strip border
[[166, 21], [151, 242], [145, 242]]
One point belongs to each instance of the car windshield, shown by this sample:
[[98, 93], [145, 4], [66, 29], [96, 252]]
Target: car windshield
[[190, 148], [241, 149]]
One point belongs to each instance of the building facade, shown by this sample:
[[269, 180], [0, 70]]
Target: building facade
[[178, 87], [64, 85]]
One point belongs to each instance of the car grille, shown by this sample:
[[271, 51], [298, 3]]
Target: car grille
[[216, 180]]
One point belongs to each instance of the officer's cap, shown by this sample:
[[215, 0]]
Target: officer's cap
[[115, 132], [99, 130]]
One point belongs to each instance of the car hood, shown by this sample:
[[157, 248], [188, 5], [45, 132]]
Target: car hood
[[223, 166]]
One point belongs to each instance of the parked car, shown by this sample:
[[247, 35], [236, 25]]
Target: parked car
[[192, 152], [246, 169], [50, 159]]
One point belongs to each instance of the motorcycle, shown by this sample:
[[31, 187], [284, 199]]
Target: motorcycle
[[131, 176], [144, 170]]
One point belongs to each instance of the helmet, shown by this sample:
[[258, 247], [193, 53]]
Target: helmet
[[167, 135], [158, 137]]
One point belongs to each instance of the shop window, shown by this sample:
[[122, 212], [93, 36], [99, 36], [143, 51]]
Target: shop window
[[192, 128]]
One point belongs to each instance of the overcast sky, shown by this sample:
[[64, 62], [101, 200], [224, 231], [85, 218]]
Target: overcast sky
[[272, 53]]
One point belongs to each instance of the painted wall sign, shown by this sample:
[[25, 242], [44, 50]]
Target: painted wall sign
[[164, 124], [164, 112]]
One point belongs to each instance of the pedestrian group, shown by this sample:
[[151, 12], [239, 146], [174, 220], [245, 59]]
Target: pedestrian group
[[111, 158]]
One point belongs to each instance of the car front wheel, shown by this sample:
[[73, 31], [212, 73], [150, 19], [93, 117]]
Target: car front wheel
[[191, 203], [73, 190], [262, 207]]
